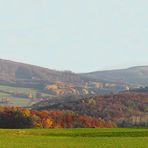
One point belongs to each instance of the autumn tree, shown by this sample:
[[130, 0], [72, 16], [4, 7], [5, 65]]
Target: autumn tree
[[15, 118]]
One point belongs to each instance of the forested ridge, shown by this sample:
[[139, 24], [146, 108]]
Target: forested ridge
[[125, 109]]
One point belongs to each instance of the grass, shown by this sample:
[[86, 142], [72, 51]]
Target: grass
[[21, 90], [18, 101], [74, 138]]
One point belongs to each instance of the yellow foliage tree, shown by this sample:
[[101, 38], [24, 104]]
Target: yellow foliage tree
[[47, 123], [30, 96]]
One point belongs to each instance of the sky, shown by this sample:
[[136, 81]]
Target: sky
[[76, 35]]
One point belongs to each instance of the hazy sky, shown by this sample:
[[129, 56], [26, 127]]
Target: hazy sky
[[77, 35]]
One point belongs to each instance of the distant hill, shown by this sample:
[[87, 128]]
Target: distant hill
[[25, 75], [135, 75], [23, 84], [18, 72]]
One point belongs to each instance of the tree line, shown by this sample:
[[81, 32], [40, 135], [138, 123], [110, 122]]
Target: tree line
[[16, 117]]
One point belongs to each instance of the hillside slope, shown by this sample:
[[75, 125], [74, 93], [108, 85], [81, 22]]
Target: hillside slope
[[13, 71], [23, 84], [135, 75], [124, 109], [57, 82]]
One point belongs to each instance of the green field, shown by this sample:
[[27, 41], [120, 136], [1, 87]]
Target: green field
[[74, 138], [18, 101]]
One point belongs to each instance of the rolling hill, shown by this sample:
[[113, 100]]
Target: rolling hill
[[125, 109], [23, 84], [134, 76], [11, 72]]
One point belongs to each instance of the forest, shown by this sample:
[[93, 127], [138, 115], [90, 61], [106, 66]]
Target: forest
[[16, 117], [126, 109]]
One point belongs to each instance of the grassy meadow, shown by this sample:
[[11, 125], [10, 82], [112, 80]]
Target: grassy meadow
[[18, 101], [74, 138]]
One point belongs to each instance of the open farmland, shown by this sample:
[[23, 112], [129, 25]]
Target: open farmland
[[14, 96], [74, 138]]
